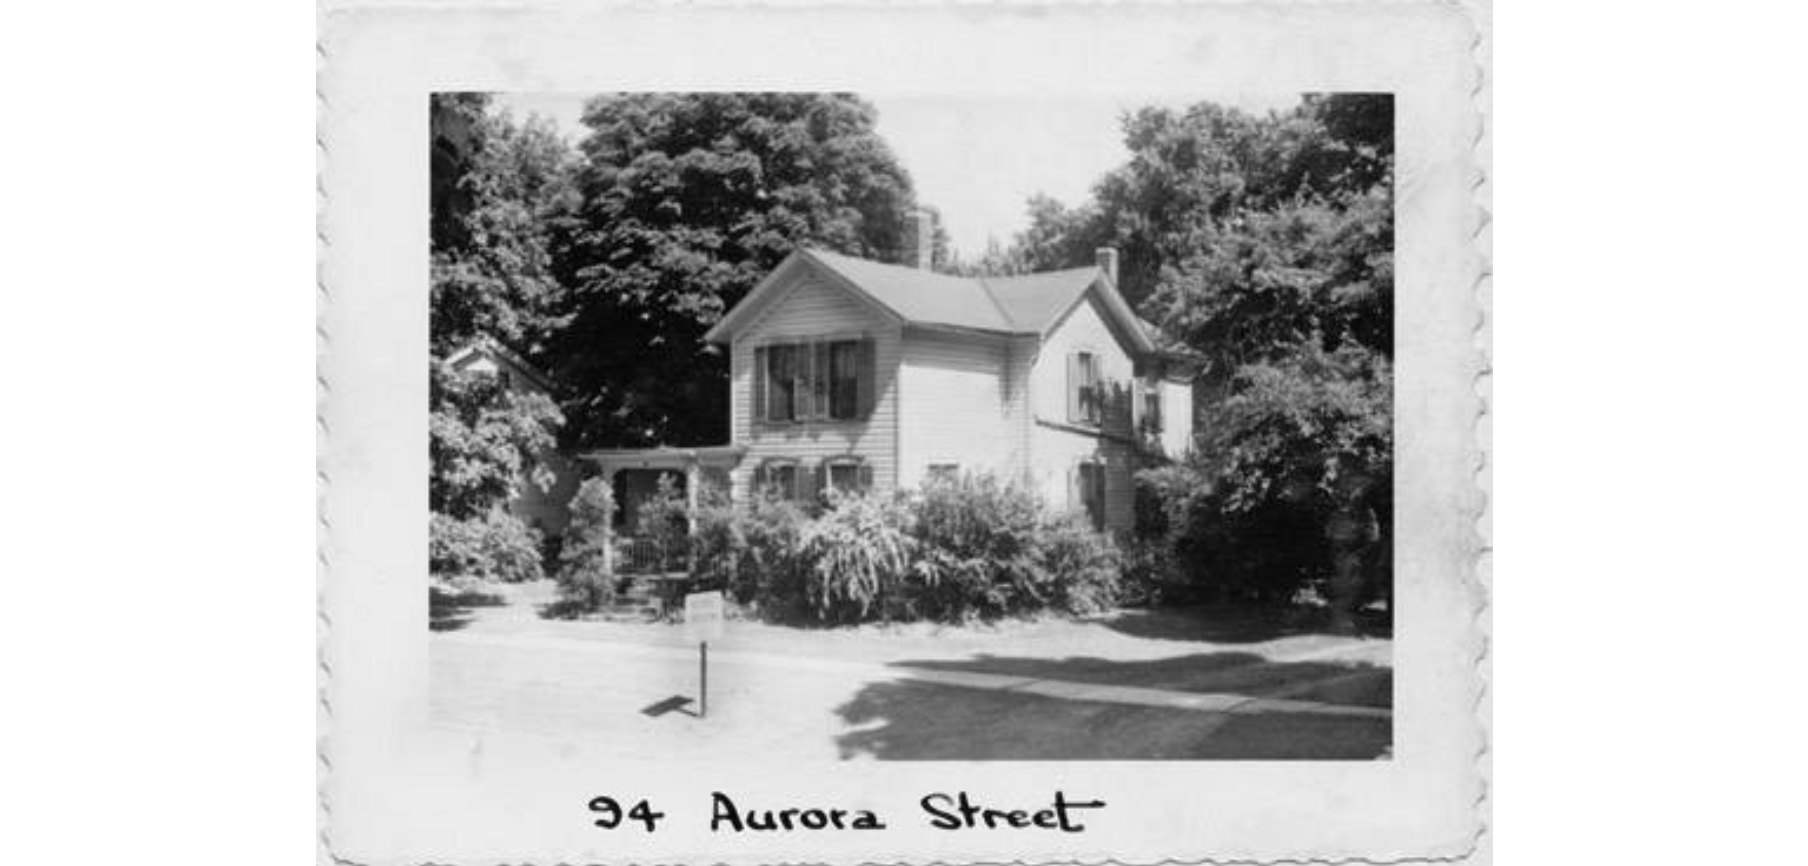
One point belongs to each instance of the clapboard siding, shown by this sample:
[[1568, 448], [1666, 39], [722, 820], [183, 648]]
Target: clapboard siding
[[1058, 454], [814, 310], [954, 393], [1057, 446], [1020, 362]]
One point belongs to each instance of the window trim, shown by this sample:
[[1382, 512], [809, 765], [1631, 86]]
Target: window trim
[[762, 477], [1087, 391], [812, 380], [854, 462]]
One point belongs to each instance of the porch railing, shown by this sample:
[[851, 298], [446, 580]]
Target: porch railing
[[642, 555]]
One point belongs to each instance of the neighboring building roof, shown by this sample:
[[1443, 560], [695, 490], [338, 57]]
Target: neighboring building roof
[[483, 346], [1027, 304]]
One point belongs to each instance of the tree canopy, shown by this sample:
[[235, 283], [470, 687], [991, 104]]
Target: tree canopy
[[686, 201], [1263, 244], [495, 187]]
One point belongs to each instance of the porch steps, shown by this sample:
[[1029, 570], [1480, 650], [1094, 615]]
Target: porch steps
[[638, 598]]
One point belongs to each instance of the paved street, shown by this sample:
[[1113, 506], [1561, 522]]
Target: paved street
[[1130, 686]]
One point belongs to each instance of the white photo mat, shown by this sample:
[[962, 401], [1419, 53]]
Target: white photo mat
[[395, 790]]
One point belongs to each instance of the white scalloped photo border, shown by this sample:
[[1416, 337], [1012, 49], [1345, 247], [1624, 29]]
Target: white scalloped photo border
[[1477, 14]]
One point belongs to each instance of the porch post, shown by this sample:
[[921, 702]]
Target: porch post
[[693, 479], [609, 523]]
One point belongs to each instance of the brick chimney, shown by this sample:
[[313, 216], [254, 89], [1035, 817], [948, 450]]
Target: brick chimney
[[1107, 258], [922, 236]]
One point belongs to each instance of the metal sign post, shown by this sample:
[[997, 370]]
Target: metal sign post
[[703, 623]]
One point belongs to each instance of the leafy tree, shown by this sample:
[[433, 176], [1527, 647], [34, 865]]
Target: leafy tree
[[1265, 245], [687, 201], [498, 190], [482, 441], [494, 185], [1272, 280]]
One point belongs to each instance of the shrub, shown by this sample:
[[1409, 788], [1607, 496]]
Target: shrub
[[857, 556], [965, 548], [978, 545], [496, 546], [752, 552], [583, 578], [664, 516], [1086, 567]]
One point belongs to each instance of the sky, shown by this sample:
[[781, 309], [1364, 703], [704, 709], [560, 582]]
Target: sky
[[978, 160]]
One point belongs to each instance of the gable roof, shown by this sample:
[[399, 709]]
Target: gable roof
[[918, 296], [1030, 304], [487, 346]]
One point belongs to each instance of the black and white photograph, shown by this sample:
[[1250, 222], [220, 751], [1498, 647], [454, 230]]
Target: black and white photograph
[[927, 435], [839, 427]]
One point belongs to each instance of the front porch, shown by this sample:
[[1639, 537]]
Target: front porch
[[657, 565]]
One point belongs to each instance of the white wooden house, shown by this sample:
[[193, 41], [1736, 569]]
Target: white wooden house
[[848, 373]]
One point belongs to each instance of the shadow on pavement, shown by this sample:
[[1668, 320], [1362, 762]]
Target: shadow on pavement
[[675, 703], [451, 611], [917, 720], [1237, 624]]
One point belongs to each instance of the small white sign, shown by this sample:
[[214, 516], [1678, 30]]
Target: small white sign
[[703, 616]]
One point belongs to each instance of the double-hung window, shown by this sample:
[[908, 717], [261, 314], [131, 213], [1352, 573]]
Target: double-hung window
[[848, 475], [779, 478], [1086, 390], [806, 381]]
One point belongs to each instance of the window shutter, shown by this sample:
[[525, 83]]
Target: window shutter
[[867, 377], [820, 380], [1098, 496], [805, 389], [759, 388], [1075, 412], [866, 476], [809, 484]]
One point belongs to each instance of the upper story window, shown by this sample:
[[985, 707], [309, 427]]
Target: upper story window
[[1085, 389], [804, 381], [1152, 409]]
